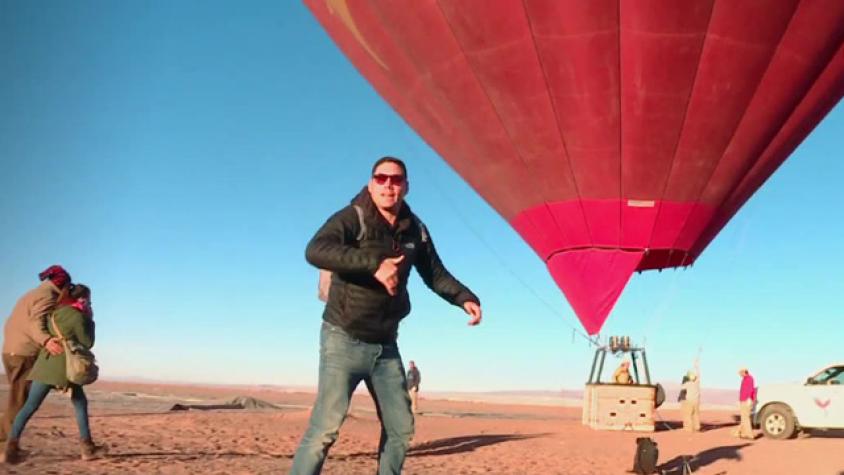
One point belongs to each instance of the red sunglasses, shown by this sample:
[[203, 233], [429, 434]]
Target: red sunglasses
[[383, 178]]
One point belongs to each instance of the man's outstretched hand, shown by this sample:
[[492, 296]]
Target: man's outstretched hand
[[474, 311], [388, 273]]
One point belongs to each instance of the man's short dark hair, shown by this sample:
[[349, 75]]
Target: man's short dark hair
[[389, 159]]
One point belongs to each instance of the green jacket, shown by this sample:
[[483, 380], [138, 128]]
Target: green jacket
[[50, 369]]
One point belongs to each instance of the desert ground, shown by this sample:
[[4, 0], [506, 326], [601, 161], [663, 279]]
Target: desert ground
[[453, 437]]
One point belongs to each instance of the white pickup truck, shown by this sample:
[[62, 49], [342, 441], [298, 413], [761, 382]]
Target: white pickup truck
[[785, 409]]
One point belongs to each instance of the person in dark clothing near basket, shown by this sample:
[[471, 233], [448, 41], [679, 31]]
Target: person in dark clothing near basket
[[24, 334], [414, 377], [370, 247]]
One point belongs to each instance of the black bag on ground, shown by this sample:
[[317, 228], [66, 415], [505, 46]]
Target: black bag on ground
[[647, 454]]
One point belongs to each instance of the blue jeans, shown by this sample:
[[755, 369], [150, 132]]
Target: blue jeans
[[37, 393], [343, 363]]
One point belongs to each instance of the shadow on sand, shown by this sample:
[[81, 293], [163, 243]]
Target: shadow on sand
[[825, 434], [467, 443], [702, 459], [191, 455], [449, 446], [662, 426]]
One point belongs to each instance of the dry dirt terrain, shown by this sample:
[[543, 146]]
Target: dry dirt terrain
[[452, 437]]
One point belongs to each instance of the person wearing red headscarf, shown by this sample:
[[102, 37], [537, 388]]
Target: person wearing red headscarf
[[72, 320], [24, 334]]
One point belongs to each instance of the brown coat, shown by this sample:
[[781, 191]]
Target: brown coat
[[25, 331]]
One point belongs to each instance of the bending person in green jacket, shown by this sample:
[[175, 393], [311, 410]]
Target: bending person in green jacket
[[370, 247], [75, 320]]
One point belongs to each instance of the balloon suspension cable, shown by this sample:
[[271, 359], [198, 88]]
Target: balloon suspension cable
[[462, 217], [656, 317], [697, 362]]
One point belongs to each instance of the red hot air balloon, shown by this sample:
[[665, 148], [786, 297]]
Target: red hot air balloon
[[613, 135]]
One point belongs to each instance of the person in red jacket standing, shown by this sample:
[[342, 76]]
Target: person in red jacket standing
[[747, 398]]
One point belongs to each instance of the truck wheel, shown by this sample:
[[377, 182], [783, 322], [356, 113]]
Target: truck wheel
[[777, 422]]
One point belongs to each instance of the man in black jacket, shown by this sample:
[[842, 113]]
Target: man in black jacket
[[370, 246]]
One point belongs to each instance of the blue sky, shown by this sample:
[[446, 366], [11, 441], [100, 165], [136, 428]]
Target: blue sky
[[178, 156]]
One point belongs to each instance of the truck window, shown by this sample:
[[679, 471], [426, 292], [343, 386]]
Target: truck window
[[834, 375]]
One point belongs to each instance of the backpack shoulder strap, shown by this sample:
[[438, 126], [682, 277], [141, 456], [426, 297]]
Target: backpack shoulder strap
[[361, 222], [324, 282]]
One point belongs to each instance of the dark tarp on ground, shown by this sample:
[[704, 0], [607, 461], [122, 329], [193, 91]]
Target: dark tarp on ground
[[240, 402]]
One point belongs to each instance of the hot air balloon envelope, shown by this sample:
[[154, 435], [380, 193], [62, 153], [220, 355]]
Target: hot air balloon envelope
[[613, 135]]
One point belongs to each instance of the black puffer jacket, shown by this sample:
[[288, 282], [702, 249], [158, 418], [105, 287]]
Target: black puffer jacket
[[357, 302]]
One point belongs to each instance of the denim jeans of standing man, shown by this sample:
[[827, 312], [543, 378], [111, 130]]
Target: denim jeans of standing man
[[344, 362]]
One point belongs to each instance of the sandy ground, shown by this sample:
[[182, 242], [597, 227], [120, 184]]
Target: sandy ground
[[452, 437]]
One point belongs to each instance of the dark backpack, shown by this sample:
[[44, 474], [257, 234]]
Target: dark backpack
[[647, 454], [682, 395]]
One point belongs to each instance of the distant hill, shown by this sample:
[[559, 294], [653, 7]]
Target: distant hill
[[711, 397]]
